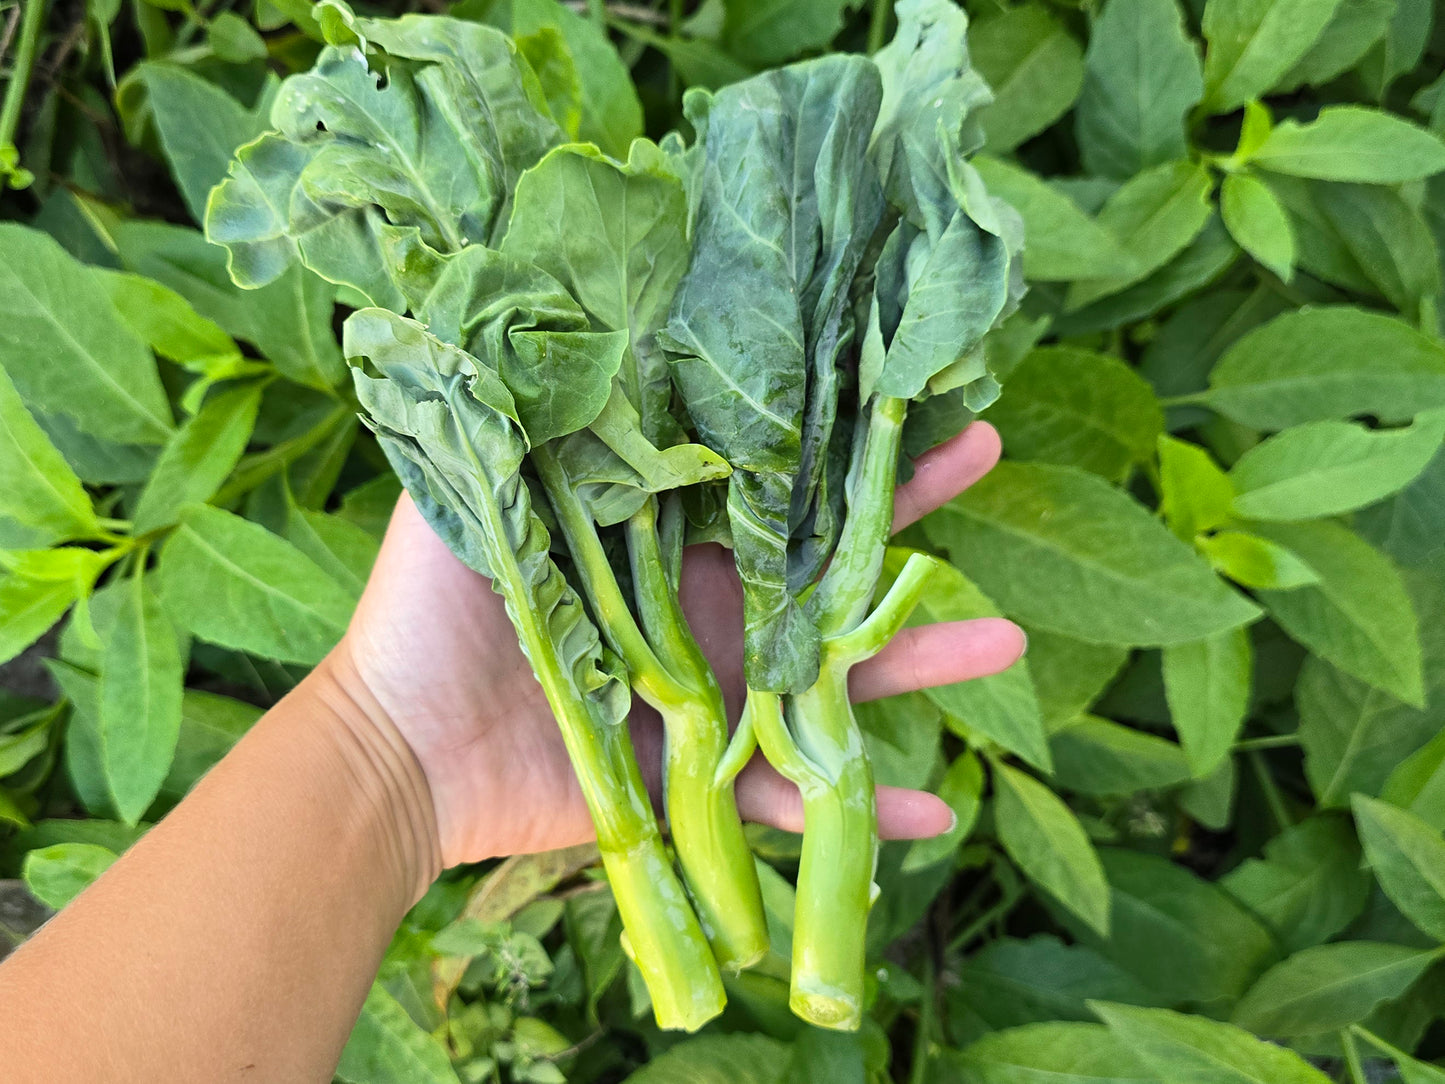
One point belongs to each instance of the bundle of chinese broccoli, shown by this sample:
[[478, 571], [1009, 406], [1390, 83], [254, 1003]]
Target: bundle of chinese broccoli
[[578, 365]]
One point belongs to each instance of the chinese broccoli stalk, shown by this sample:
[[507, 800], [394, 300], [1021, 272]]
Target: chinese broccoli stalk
[[846, 261], [542, 271]]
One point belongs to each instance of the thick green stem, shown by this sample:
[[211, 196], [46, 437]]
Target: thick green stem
[[842, 596], [31, 23], [840, 854], [702, 813]]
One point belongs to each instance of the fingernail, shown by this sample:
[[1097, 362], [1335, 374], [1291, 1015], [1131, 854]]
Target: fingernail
[[952, 822], [1025, 635]]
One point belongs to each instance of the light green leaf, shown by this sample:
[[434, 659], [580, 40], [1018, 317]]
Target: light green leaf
[[1096, 756], [1194, 1050], [1156, 214], [1069, 674], [1258, 222], [1408, 859], [141, 678], [41, 493], [1059, 1052], [1328, 362], [1417, 784], [1040, 833], [1142, 77], [1253, 43], [1385, 236], [210, 726], [200, 126], [1197, 495], [999, 707], [740, 1058], [1358, 617], [236, 584], [1352, 143], [1308, 886], [57, 874], [1329, 987], [387, 1046], [1034, 67], [342, 548], [67, 348], [28, 608], [1207, 683], [199, 457], [1355, 26], [1183, 937], [1322, 469], [1062, 243], [1252, 561], [962, 788], [611, 115], [1062, 549], [235, 40], [1078, 408]]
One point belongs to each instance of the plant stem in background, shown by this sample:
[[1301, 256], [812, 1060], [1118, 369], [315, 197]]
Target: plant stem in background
[[31, 23]]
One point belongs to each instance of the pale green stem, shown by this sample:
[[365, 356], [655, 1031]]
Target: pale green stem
[[702, 815], [1352, 1059], [891, 613], [31, 23]]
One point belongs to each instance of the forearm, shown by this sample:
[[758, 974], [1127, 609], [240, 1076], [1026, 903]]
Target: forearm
[[239, 937]]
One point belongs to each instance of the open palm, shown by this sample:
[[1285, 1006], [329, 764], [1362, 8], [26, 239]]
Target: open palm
[[433, 646]]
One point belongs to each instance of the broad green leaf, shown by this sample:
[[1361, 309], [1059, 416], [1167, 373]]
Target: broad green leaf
[[1346, 38], [1040, 833], [41, 493], [1352, 143], [1326, 363], [611, 115], [1183, 937], [1207, 683], [1142, 76], [545, 50], [1358, 616], [1408, 859], [1320, 249], [1417, 784], [1008, 982], [28, 608], [60, 872], [1384, 234], [200, 126], [1254, 43], [1329, 987], [1069, 674], [1258, 223], [387, 1046], [1257, 562], [1194, 1050], [1322, 469], [1308, 886], [345, 550], [1051, 1053], [25, 737], [1078, 408], [1062, 243], [593, 930], [1401, 49], [66, 347], [1034, 67], [236, 584], [902, 735], [1196, 495], [199, 457], [1096, 756], [962, 788], [233, 39], [141, 679], [1156, 214], [740, 1058], [1061, 549], [1000, 707], [763, 32]]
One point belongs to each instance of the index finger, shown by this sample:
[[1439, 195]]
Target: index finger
[[942, 473]]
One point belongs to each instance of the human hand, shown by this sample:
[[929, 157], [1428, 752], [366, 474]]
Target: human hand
[[431, 654]]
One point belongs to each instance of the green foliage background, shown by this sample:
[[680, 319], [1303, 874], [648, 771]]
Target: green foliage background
[[1205, 811]]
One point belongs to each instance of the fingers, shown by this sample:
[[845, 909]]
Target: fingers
[[765, 797], [940, 654], [942, 473]]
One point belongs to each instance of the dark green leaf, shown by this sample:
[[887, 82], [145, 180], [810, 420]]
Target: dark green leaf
[[1034, 67], [1051, 1053], [1207, 683], [1096, 756], [1254, 43], [387, 1046]]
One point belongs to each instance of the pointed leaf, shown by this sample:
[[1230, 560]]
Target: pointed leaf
[[1408, 858], [1207, 683]]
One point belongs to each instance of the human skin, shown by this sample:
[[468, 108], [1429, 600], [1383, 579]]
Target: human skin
[[238, 939]]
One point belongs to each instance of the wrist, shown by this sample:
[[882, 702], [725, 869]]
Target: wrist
[[381, 768]]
